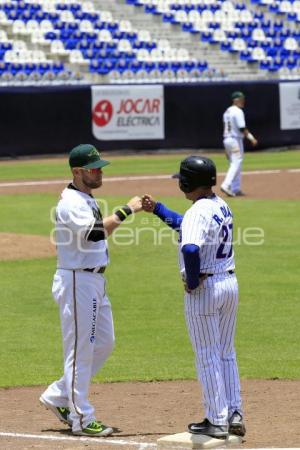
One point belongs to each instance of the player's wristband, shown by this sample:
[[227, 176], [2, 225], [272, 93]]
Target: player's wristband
[[250, 137], [123, 212]]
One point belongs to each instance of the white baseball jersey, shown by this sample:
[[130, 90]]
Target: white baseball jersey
[[234, 119], [85, 310], [208, 224], [76, 214]]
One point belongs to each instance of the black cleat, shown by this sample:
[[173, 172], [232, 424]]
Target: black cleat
[[236, 424], [240, 194], [208, 429]]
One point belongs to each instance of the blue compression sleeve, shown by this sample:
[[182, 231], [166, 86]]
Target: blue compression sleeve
[[192, 265], [171, 218]]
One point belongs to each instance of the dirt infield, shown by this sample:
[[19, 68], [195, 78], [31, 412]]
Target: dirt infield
[[279, 185], [25, 246], [143, 412]]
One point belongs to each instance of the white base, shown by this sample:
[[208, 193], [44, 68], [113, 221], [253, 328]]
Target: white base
[[188, 440]]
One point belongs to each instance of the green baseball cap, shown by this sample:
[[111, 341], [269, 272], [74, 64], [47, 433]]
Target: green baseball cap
[[237, 94], [87, 157]]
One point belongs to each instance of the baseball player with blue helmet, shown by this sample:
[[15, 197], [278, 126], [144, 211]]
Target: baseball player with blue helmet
[[207, 267]]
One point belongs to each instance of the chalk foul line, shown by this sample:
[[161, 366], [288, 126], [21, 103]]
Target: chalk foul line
[[132, 178], [101, 441], [96, 441]]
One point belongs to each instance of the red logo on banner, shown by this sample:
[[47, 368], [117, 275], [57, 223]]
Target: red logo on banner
[[102, 113]]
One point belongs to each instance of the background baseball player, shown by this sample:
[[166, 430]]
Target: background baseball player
[[79, 290], [234, 132], [206, 260]]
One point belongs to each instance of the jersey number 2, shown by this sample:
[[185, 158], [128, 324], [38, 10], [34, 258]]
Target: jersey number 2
[[226, 233]]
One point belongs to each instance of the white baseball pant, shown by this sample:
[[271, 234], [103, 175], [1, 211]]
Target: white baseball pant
[[210, 313], [234, 148], [88, 340]]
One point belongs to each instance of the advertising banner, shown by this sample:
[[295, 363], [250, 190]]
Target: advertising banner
[[128, 112], [289, 98]]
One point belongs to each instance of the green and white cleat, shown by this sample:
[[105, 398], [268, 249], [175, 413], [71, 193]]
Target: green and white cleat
[[61, 413], [95, 428]]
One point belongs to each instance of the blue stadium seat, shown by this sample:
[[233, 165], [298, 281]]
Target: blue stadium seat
[[245, 55], [187, 27], [202, 65], [206, 36], [284, 33], [292, 17], [149, 65], [89, 53], [29, 67], [71, 43], [61, 7], [168, 18], [265, 65], [274, 8], [74, 7], [291, 63], [122, 65], [272, 52], [83, 45], [97, 45], [284, 53], [149, 9], [58, 67], [225, 46], [53, 17], [136, 65], [43, 68], [278, 25], [51, 35], [163, 65], [15, 68]]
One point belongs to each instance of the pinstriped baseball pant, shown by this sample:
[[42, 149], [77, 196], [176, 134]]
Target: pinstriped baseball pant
[[210, 313]]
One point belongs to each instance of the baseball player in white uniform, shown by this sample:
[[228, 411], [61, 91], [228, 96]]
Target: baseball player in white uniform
[[234, 133], [206, 260], [79, 290]]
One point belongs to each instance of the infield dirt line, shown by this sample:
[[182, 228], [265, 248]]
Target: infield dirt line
[[100, 441], [132, 178]]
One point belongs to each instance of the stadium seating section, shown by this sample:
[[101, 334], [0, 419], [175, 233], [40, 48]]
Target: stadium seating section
[[142, 41]]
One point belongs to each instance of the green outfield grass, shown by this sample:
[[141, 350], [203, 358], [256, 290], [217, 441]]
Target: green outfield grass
[[146, 294], [133, 165]]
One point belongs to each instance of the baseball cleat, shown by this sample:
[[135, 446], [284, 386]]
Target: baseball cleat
[[236, 424], [207, 428], [240, 194], [95, 428], [61, 413], [227, 191]]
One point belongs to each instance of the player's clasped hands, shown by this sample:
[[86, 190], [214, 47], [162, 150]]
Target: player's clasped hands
[[148, 203]]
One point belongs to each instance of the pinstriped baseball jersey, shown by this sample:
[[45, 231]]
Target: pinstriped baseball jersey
[[208, 224]]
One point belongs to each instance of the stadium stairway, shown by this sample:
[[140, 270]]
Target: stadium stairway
[[229, 64]]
